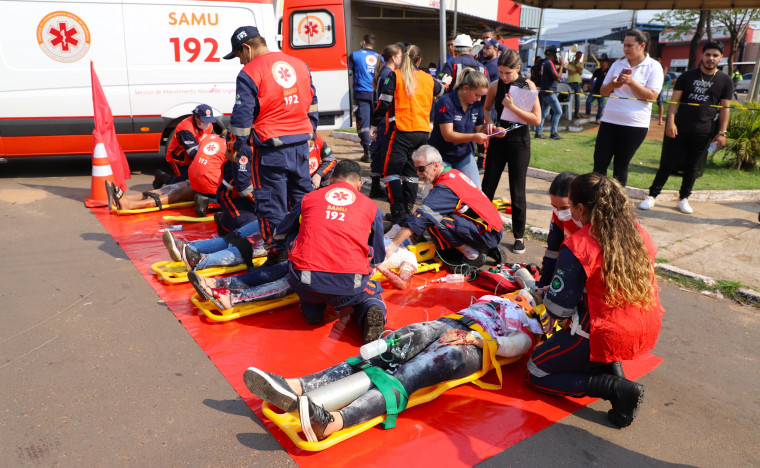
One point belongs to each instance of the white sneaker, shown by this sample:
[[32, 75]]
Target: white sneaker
[[683, 206], [647, 204]]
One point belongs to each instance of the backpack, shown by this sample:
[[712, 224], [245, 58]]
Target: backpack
[[535, 70]]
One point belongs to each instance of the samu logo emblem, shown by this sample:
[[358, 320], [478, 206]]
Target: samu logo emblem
[[63, 36]]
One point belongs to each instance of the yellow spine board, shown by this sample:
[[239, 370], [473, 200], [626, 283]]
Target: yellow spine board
[[152, 209], [241, 310], [176, 272]]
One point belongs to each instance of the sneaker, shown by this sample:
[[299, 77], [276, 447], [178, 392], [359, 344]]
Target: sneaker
[[314, 419], [173, 245], [201, 204], [476, 262], [374, 323], [498, 255], [271, 388], [647, 203], [539, 137], [556, 137], [190, 257], [518, 247], [683, 206]]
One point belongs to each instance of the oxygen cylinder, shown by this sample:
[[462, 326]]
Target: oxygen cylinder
[[524, 279], [373, 349], [340, 393]]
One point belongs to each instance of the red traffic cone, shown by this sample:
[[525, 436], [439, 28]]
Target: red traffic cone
[[101, 172]]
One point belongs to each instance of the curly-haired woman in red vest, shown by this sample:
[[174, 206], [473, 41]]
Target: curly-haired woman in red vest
[[604, 283]]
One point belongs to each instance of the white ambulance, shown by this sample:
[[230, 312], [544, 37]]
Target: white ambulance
[[156, 62]]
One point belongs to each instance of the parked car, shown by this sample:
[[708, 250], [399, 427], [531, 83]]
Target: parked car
[[742, 86]]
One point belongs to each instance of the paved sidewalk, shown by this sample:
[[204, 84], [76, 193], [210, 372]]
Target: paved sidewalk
[[719, 240]]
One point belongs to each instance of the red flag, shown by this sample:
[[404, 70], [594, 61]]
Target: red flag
[[106, 132]]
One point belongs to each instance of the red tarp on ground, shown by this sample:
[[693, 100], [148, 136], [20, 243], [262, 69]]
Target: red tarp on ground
[[462, 427]]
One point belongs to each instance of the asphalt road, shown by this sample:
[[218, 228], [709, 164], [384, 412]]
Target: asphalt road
[[96, 371]]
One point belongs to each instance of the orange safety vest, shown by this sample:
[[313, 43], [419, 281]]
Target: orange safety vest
[[413, 112], [205, 172], [176, 152]]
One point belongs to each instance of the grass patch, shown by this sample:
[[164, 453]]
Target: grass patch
[[576, 153], [661, 260], [729, 289], [347, 130]]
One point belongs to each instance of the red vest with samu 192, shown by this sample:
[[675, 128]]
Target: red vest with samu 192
[[284, 95], [205, 172], [336, 222], [616, 333], [471, 196]]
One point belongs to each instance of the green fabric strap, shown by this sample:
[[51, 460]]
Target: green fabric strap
[[385, 383]]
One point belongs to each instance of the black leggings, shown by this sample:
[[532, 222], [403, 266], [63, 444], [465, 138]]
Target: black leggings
[[619, 142], [515, 151], [427, 362]]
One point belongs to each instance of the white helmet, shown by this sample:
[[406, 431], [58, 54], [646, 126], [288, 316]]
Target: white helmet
[[463, 40]]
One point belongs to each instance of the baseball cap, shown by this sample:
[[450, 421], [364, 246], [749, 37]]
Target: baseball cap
[[463, 40], [204, 113], [491, 42], [552, 50], [241, 35]]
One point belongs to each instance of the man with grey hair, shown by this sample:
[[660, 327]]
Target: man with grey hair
[[455, 213]]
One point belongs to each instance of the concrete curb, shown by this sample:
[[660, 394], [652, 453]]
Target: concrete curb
[[633, 192], [750, 295], [674, 270]]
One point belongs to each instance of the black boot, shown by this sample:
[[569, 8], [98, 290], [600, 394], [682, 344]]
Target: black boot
[[626, 397], [398, 213], [611, 368], [201, 204], [365, 156], [274, 258], [377, 190], [409, 207], [160, 178]]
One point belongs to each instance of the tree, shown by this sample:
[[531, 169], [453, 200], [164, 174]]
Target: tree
[[734, 22]]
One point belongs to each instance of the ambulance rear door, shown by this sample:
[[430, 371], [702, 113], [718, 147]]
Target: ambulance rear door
[[314, 31]]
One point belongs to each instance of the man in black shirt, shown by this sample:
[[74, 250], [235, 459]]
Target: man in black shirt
[[691, 129], [596, 93]]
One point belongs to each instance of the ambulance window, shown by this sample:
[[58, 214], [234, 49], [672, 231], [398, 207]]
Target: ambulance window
[[312, 28]]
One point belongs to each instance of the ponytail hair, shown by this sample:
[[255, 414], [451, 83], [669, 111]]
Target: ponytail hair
[[473, 78], [390, 51], [408, 66], [627, 267], [510, 59]]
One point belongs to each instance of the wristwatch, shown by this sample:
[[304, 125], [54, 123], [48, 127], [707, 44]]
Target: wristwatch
[[724, 133]]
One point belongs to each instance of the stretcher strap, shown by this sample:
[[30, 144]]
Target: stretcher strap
[[385, 383], [490, 361]]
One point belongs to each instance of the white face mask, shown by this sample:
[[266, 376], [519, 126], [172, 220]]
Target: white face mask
[[204, 125], [563, 215], [578, 223]]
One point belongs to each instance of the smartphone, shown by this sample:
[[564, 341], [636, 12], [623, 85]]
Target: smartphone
[[626, 71]]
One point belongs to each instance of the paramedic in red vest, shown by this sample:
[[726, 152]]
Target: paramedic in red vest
[[406, 95], [321, 162], [604, 284], [274, 116], [184, 144], [455, 212], [362, 65], [339, 238]]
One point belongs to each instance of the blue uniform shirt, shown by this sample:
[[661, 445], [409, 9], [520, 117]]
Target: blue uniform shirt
[[492, 67], [549, 75], [448, 109], [363, 63]]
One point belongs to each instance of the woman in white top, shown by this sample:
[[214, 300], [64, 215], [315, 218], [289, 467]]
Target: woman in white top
[[637, 78]]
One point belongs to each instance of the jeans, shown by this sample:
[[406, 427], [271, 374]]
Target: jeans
[[219, 252], [469, 167], [549, 102], [599, 102]]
